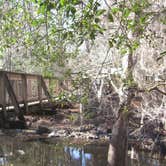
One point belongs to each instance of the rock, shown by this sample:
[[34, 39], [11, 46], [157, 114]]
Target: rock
[[29, 123], [59, 133], [162, 149], [82, 135], [1, 133], [66, 121], [62, 133], [21, 152], [42, 130], [75, 134], [43, 122], [52, 134], [17, 124], [159, 146], [86, 127], [34, 119], [94, 132], [101, 131], [91, 136]]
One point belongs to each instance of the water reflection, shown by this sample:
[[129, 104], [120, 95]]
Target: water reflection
[[3, 161], [79, 154], [16, 153], [145, 160]]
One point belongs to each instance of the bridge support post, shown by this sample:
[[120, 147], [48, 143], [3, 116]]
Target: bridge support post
[[45, 89], [40, 91], [13, 97], [3, 98], [25, 94]]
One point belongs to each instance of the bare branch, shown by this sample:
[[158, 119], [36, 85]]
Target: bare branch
[[157, 89]]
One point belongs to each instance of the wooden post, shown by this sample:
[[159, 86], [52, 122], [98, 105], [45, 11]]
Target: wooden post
[[40, 91], [46, 89], [25, 92], [13, 97], [3, 95]]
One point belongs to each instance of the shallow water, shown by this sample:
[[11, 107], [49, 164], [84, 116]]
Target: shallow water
[[14, 152]]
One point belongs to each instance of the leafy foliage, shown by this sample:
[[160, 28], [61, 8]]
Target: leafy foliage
[[48, 31]]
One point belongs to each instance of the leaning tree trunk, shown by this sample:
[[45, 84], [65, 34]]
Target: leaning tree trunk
[[117, 153]]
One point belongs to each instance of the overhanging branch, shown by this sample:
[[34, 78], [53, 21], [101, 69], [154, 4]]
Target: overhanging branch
[[157, 89]]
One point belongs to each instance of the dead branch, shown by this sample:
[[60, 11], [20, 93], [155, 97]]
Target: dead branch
[[157, 89]]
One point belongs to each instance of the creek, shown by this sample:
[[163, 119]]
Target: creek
[[58, 152]]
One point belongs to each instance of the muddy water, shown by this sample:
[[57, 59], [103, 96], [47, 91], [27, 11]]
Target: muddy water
[[14, 152]]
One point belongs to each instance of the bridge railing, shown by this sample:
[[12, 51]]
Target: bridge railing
[[22, 88], [26, 87]]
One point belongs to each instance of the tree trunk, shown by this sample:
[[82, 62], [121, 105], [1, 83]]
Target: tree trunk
[[117, 154], [118, 148]]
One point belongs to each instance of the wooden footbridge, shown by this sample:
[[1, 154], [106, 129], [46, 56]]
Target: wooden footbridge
[[20, 92]]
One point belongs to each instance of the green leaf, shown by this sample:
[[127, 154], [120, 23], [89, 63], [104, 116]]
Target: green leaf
[[80, 42], [126, 12], [62, 2], [97, 27], [34, 23], [100, 12], [42, 9], [163, 53], [110, 17], [1, 52], [136, 8], [163, 20], [97, 20], [135, 45], [51, 5], [115, 10], [123, 51], [77, 2], [92, 35], [73, 10], [143, 19], [70, 11], [110, 43]]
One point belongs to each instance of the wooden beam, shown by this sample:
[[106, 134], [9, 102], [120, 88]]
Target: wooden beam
[[43, 84], [40, 91], [13, 97], [3, 95], [25, 92]]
